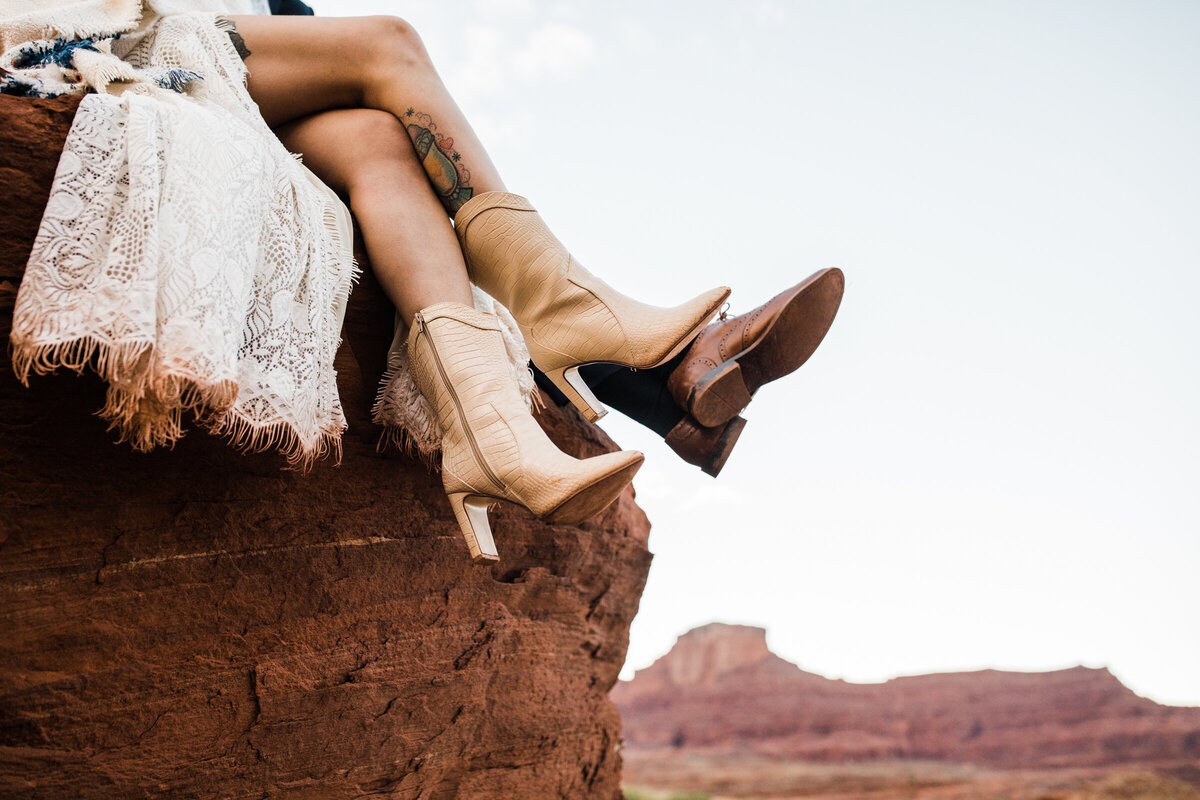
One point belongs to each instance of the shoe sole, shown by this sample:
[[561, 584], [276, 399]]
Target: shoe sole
[[806, 317], [595, 497]]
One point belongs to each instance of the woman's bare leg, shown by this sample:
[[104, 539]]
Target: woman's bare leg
[[488, 430], [364, 155], [300, 66]]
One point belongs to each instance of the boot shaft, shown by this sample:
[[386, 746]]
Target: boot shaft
[[490, 441], [512, 255], [459, 363], [492, 448]]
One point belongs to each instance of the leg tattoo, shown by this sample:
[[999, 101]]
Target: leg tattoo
[[443, 164]]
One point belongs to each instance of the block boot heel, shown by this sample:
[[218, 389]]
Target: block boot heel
[[470, 511]]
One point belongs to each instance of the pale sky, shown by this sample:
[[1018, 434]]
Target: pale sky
[[993, 459]]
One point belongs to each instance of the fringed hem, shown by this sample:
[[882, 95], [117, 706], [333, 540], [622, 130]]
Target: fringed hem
[[395, 435], [148, 412], [389, 374], [75, 355], [154, 417], [403, 441], [536, 404], [249, 437]]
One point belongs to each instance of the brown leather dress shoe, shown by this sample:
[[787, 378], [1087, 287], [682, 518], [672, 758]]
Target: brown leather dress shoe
[[707, 448], [734, 356]]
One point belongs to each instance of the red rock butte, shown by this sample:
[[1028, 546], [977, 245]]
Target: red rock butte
[[721, 690]]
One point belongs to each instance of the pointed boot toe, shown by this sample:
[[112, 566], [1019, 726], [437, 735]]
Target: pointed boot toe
[[664, 333], [492, 448], [607, 477], [568, 316]]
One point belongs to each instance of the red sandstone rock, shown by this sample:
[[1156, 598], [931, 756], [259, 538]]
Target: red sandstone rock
[[720, 690], [197, 623]]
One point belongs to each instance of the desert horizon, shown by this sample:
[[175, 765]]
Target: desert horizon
[[1079, 664], [721, 716]]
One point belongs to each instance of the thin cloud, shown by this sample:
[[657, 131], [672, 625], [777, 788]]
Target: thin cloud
[[555, 50], [504, 8]]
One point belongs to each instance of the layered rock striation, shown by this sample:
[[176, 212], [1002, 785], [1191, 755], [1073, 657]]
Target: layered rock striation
[[199, 623], [721, 690]]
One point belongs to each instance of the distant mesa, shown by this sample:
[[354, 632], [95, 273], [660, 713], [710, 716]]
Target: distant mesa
[[721, 690]]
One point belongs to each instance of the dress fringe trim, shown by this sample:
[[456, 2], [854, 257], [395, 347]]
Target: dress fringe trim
[[148, 412]]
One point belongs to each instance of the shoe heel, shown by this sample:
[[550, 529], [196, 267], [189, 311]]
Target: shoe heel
[[720, 395], [720, 453], [570, 383], [471, 512]]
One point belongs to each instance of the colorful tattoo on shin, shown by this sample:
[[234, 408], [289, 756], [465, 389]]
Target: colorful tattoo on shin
[[443, 164]]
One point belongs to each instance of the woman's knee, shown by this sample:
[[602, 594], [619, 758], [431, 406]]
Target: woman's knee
[[393, 43]]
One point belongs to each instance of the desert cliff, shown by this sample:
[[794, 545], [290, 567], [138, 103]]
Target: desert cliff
[[198, 623]]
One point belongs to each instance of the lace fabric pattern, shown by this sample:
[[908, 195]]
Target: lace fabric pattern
[[189, 259], [192, 261]]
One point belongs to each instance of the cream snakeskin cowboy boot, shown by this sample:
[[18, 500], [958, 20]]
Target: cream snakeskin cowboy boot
[[492, 448], [568, 316]]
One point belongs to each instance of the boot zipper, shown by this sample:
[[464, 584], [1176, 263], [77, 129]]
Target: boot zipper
[[462, 416]]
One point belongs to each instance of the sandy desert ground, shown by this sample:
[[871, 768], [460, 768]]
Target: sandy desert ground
[[689, 776]]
